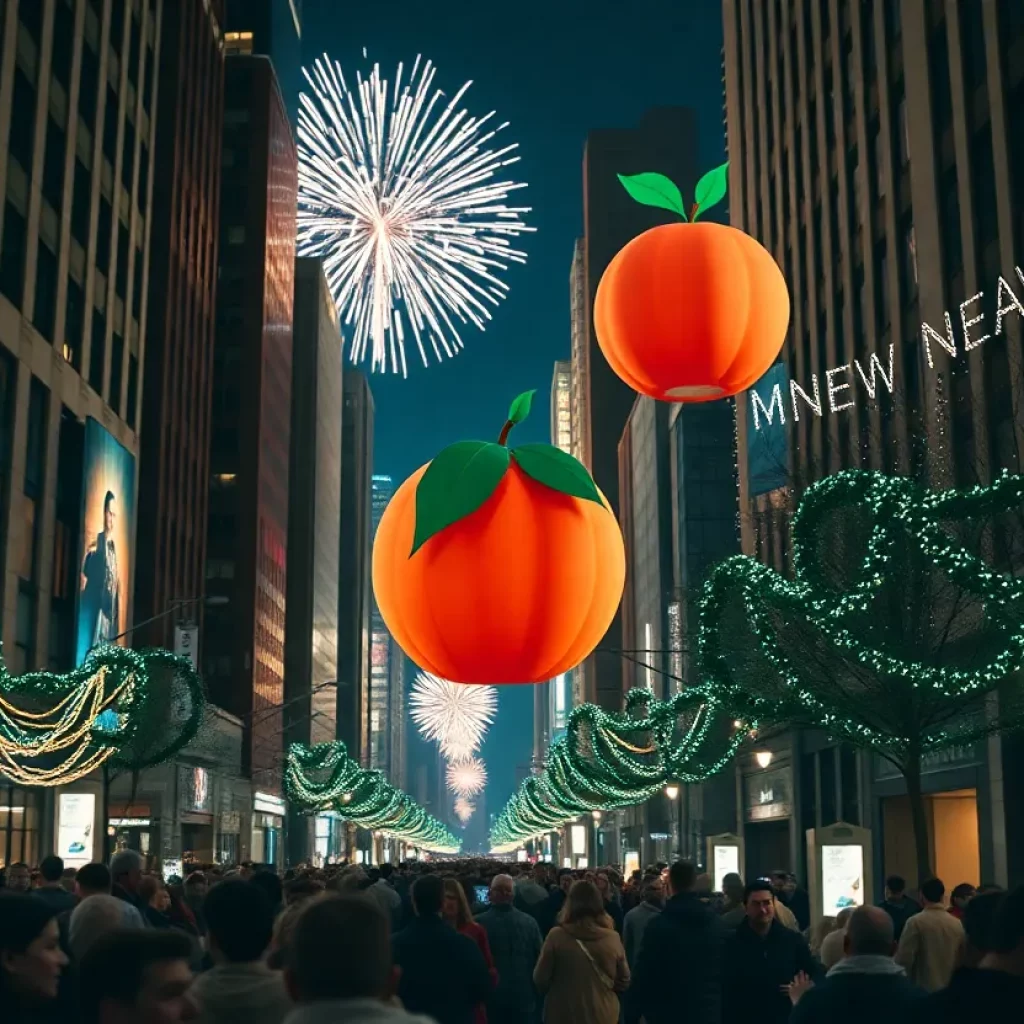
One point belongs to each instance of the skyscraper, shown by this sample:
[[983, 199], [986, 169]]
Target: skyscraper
[[354, 589], [251, 425], [270, 28], [665, 141], [876, 153], [177, 380], [386, 671], [77, 134], [314, 512]]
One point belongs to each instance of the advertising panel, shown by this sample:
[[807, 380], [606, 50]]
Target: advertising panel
[[727, 861], [842, 877], [108, 528], [76, 816]]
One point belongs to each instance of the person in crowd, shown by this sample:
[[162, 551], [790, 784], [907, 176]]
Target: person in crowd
[[50, 890], [548, 911], [280, 942], [932, 941], [93, 880], [31, 961], [582, 966], [240, 988], [532, 890], [795, 899], [298, 890], [457, 913], [994, 989], [898, 905], [340, 968], [443, 974], [97, 915], [515, 942], [977, 923], [18, 877], [126, 874], [637, 919], [959, 898], [736, 913], [732, 891], [685, 944], [271, 885], [761, 961], [865, 984], [194, 892], [156, 901], [819, 932], [132, 977], [832, 948], [384, 892], [67, 880], [611, 904]]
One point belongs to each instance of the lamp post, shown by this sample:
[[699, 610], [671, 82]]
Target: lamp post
[[672, 792]]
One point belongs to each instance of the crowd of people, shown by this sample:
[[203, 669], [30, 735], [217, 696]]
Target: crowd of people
[[481, 942]]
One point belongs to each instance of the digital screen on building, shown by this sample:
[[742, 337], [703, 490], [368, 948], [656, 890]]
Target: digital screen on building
[[767, 456], [108, 531]]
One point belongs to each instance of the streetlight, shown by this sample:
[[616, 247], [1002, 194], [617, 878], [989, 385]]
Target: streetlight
[[671, 791], [764, 757], [596, 815]]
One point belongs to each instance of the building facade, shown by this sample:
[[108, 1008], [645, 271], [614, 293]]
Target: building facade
[[665, 140], [77, 131], [247, 536], [877, 156], [314, 512], [177, 384], [354, 590]]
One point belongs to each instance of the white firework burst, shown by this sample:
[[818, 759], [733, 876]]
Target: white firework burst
[[467, 778], [453, 715], [464, 809], [399, 192]]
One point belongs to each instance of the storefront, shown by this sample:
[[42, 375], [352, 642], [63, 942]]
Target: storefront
[[267, 828], [328, 839], [767, 813], [195, 809]]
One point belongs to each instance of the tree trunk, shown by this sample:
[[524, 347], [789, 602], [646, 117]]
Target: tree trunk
[[105, 798], [919, 820]]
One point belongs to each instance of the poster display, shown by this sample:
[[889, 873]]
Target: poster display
[[108, 529], [726, 861], [631, 863], [76, 818], [842, 877]]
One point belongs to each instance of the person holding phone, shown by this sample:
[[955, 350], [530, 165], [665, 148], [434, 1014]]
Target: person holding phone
[[456, 912]]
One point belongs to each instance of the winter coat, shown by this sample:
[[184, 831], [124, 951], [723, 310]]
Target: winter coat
[[974, 994], [443, 974], [753, 969], [901, 911], [354, 1011], [241, 994], [57, 899], [858, 989], [472, 930], [930, 948], [574, 984], [633, 926], [515, 945], [681, 952]]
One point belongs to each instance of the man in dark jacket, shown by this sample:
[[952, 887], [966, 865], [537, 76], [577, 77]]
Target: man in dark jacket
[[898, 905], [994, 989], [547, 912], [680, 957], [762, 960], [515, 944], [443, 974], [866, 984], [51, 892]]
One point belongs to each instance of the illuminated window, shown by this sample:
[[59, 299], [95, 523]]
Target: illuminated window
[[238, 42]]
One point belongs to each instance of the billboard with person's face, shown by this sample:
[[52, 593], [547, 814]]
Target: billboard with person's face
[[108, 509]]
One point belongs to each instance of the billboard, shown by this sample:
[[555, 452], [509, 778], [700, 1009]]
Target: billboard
[[108, 528], [767, 457]]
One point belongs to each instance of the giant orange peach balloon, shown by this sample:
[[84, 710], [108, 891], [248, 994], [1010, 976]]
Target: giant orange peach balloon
[[690, 312], [497, 565]]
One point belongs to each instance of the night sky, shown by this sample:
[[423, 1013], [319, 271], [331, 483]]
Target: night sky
[[555, 70]]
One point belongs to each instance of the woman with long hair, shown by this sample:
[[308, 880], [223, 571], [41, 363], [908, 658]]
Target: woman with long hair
[[582, 966], [456, 912], [31, 960], [155, 900]]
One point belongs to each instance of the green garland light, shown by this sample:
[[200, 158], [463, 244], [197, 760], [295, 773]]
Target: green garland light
[[121, 707], [359, 795], [607, 760], [876, 697]]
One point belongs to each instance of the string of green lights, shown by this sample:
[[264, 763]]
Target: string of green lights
[[608, 760], [324, 777], [131, 709]]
